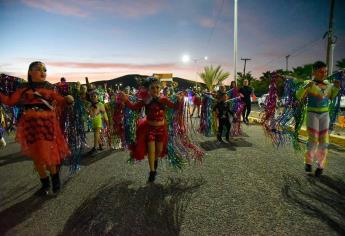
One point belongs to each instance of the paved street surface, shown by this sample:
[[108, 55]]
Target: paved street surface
[[247, 187]]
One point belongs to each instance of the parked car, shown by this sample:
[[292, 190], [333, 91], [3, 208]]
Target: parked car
[[261, 100], [342, 103]]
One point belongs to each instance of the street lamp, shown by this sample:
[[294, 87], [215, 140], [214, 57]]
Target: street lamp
[[118, 86], [185, 58]]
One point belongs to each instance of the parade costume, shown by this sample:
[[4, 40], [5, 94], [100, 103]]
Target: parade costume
[[197, 101], [73, 118], [303, 99], [237, 109], [38, 130], [98, 114], [318, 100], [2, 129], [161, 132], [223, 113], [155, 111], [208, 120]]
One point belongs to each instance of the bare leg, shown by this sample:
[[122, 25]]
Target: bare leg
[[97, 136], [52, 169], [41, 169], [151, 154], [159, 149]]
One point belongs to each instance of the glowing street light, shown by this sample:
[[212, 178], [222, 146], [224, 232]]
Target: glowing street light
[[185, 58]]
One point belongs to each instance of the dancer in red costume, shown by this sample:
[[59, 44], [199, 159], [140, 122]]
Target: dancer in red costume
[[152, 136], [38, 130]]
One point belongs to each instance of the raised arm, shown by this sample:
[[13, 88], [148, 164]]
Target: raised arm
[[134, 105], [168, 103], [11, 100], [302, 92]]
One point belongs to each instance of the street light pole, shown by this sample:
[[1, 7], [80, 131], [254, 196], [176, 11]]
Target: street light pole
[[331, 40], [287, 62], [235, 40]]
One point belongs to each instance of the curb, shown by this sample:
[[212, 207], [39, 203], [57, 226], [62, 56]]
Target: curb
[[333, 138]]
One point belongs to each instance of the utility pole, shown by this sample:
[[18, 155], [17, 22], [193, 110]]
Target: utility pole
[[245, 63], [331, 40], [287, 62]]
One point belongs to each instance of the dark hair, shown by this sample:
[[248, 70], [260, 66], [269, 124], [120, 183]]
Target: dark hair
[[232, 84], [31, 66], [149, 80], [63, 79], [318, 65]]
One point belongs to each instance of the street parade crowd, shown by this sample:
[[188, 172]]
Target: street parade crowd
[[154, 120]]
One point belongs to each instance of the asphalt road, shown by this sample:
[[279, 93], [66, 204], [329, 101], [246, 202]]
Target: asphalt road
[[247, 187]]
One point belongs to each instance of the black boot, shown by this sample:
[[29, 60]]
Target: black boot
[[219, 138], [318, 172], [152, 176], [44, 190], [56, 182], [308, 168], [156, 165]]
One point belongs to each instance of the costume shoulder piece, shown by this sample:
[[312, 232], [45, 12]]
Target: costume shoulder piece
[[44, 85]]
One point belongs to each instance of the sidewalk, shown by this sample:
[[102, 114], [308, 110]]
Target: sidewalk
[[336, 137]]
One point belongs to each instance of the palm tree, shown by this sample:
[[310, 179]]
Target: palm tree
[[303, 72], [341, 64], [213, 76], [242, 77]]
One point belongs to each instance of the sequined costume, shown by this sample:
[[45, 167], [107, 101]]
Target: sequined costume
[[155, 112], [38, 130]]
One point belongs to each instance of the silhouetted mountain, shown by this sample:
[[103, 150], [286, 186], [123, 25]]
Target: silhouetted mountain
[[132, 81]]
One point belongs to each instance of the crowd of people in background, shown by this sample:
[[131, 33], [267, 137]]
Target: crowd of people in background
[[147, 120]]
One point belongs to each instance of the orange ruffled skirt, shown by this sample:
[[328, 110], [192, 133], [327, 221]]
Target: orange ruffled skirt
[[41, 138]]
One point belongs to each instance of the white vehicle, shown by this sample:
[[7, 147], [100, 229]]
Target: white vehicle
[[342, 103], [261, 100]]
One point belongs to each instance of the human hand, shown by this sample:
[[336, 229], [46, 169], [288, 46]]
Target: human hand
[[310, 84]]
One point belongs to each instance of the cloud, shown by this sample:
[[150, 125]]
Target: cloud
[[83, 8], [102, 65], [206, 22], [59, 7]]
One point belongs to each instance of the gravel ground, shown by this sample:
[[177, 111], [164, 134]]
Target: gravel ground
[[247, 187]]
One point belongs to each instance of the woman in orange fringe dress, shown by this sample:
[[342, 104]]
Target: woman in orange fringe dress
[[38, 129]]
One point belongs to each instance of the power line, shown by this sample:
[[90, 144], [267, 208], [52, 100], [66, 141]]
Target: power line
[[293, 53], [215, 24]]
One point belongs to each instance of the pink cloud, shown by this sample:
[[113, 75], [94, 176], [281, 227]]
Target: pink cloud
[[82, 8], [92, 65], [58, 7], [206, 22]]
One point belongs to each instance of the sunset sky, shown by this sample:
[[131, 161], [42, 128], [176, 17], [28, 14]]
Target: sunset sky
[[106, 39]]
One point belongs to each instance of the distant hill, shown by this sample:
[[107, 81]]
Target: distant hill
[[132, 81], [129, 80]]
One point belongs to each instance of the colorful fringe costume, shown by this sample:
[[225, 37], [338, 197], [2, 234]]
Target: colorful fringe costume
[[155, 111], [318, 100]]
